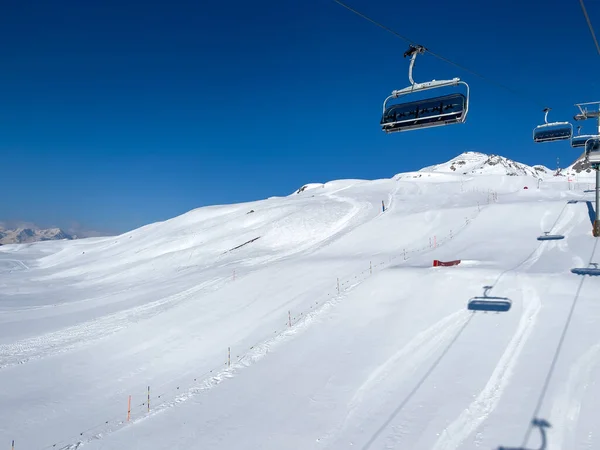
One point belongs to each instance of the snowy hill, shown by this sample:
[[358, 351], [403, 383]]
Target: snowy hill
[[314, 321], [27, 235], [469, 163]]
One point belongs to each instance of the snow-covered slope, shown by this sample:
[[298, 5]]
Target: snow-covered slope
[[312, 321]]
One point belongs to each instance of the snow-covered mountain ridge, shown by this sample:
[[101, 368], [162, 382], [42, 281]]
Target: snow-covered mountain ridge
[[475, 163], [27, 235]]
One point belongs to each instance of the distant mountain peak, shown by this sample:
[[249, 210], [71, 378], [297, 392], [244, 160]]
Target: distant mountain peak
[[22, 235], [579, 167], [468, 163]]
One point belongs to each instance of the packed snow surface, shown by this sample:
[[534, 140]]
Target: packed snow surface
[[313, 321]]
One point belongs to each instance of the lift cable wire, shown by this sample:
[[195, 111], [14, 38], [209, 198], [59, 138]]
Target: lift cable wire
[[440, 57], [587, 18], [556, 354]]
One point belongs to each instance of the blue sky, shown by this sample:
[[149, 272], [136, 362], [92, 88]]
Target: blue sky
[[115, 114]]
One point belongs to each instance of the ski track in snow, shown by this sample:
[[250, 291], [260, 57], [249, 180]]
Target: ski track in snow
[[404, 363], [410, 357], [567, 404], [76, 336], [14, 264], [487, 400]]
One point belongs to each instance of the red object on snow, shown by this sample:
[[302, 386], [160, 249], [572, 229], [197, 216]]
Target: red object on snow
[[525, 187], [437, 262]]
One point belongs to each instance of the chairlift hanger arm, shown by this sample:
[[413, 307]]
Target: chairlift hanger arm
[[546, 111], [413, 51]]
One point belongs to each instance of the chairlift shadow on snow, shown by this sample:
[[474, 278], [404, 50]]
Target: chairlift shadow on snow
[[593, 270], [542, 424], [489, 303], [550, 237]]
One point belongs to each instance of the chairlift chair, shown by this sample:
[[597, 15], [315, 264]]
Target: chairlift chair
[[554, 131], [580, 140], [487, 303], [592, 151], [426, 113]]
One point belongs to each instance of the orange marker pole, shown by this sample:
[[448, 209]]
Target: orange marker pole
[[129, 409]]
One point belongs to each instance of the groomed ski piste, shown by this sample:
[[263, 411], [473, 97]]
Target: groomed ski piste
[[313, 321]]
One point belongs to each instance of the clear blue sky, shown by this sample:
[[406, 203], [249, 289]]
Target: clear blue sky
[[116, 114]]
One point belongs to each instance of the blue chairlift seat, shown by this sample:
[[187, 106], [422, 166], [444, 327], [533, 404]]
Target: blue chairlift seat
[[580, 140], [551, 132], [437, 111]]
